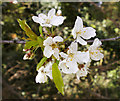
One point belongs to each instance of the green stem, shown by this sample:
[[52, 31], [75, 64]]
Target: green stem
[[52, 30], [67, 38], [36, 49], [48, 30]]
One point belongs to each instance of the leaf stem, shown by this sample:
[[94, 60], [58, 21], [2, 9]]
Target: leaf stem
[[67, 38]]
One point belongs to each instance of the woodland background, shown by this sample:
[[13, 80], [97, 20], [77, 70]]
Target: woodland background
[[103, 81]]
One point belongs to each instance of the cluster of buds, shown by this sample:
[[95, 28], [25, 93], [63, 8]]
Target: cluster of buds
[[72, 61], [29, 55]]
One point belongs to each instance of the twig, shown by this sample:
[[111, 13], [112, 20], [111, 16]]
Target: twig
[[107, 67], [109, 39], [23, 42], [12, 41]]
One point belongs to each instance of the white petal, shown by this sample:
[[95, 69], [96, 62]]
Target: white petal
[[72, 65], [74, 33], [41, 78], [81, 41], [48, 41], [56, 53], [64, 67], [25, 57], [73, 47], [97, 42], [41, 69], [36, 19], [88, 32], [78, 24], [48, 51], [83, 57], [46, 25], [82, 72], [43, 16], [50, 75], [57, 39], [87, 64], [57, 20], [64, 55], [51, 13], [48, 67], [96, 55]]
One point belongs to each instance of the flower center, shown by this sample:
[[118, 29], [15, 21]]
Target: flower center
[[54, 46], [80, 32], [71, 55], [80, 66], [47, 21]]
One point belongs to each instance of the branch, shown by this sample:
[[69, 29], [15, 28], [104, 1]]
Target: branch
[[109, 39], [23, 42], [12, 41], [106, 67]]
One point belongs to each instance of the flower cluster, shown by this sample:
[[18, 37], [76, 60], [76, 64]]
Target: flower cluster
[[70, 61]]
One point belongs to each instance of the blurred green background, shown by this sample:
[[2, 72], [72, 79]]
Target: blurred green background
[[102, 82]]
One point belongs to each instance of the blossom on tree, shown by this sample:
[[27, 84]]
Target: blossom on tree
[[51, 47], [74, 61], [72, 58], [94, 51], [49, 20], [80, 32], [44, 72]]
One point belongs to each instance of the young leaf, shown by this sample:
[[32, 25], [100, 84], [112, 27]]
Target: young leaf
[[40, 41], [40, 30], [57, 78], [29, 44], [27, 29], [42, 61]]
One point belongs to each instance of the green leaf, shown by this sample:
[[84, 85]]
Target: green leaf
[[40, 30], [27, 29], [40, 41], [42, 61], [29, 44], [57, 78]]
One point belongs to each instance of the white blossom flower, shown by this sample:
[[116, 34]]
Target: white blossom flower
[[43, 72], [83, 70], [94, 51], [49, 20], [79, 32], [51, 47], [69, 64]]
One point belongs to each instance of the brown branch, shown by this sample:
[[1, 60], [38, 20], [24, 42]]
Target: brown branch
[[12, 41], [107, 67], [109, 39], [23, 42]]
